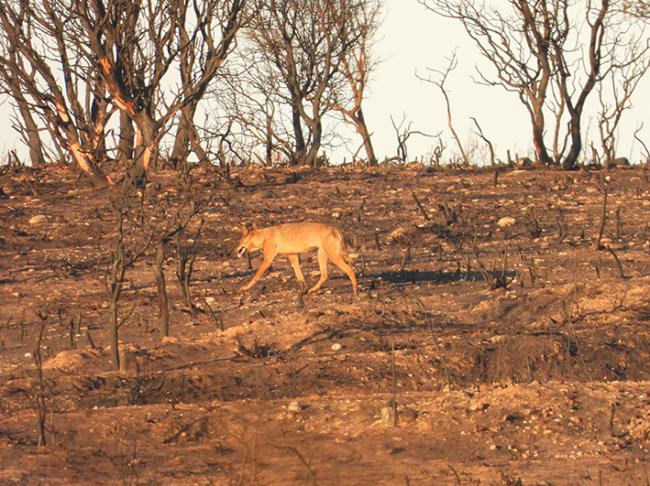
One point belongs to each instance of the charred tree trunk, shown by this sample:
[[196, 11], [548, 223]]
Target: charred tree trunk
[[537, 119], [312, 154], [163, 302], [33, 138], [30, 129], [197, 148], [115, 350], [85, 161], [299, 155], [571, 160], [362, 129], [146, 142], [181, 149], [186, 257], [127, 136], [31, 133], [268, 159]]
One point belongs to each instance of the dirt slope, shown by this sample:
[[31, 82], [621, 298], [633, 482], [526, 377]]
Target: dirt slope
[[542, 382]]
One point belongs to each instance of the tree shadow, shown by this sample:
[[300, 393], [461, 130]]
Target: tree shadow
[[416, 276], [383, 328]]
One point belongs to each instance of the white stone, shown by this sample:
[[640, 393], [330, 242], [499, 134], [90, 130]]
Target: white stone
[[38, 219], [506, 222], [294, 406]]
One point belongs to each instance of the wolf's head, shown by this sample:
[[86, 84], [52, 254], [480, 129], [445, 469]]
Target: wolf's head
[[250, 241]]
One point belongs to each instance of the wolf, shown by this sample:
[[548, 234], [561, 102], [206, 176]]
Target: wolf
[[291, 239]]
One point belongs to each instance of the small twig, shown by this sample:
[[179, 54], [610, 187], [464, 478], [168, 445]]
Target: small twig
[[377, 242], [571, 319], [490, 148], [182, 430], [611, 419], [215, 318], [71, 330], [427, 317], [39, 393], [420, 207], [458, 482], [125, 318], [90, 339], [393, 381], [305, 462], [537, 229], [619, 265], [603, 219]]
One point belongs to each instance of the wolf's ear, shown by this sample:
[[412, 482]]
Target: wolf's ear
[[243, 229], [254, 226]]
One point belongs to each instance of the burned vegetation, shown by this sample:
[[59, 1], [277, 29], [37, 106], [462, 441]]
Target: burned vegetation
[[500, 331]]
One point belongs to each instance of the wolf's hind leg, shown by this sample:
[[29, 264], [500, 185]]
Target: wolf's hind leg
[[336, 253], [295, 263], [322, 263]]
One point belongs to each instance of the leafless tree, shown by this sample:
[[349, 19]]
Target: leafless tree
[[26, 124], [80, 60], [210, 35], [403, 133], [573, 95], [186, 254], [436, 153], [439, 81], [487, 141], [515, 41], [646, 151], [246, 114], [128, 246], [41, 392], [175, 216], [306, 43], [196, 35], [615, 101], [537, 45], [55, 82], [357, 66]]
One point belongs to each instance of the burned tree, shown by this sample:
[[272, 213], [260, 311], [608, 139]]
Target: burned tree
[[403, 133], [244, 119], [205, 44], [78, 61], [439, 81], [306, 44], [56, 83], [25, 124], [515, 40], [613, 104], [176, 217], [356, 69], [538, 47], [573, 97], [197, 35], [128, 246], [615, 94]]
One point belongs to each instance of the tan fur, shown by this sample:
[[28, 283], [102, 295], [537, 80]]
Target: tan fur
[[292, 239]]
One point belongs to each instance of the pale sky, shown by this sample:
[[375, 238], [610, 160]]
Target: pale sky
[[413, 38]]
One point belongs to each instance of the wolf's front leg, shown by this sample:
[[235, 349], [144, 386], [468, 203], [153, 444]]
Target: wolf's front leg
[[266, 263]]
